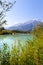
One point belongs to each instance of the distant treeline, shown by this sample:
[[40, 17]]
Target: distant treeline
[[3, 32]]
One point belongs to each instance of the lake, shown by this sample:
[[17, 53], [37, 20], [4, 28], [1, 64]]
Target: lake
[[11, 39]]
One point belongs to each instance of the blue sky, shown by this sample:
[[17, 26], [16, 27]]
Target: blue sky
[[25, 10]]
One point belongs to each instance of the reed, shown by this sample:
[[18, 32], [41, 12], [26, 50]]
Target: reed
[[31, 53]]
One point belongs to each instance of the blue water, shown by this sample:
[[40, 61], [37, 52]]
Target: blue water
[[11, 39]]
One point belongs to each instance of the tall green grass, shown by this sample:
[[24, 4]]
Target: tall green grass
[[31, 53]]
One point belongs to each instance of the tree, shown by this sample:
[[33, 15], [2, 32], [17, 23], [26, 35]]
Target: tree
[[5, 6]]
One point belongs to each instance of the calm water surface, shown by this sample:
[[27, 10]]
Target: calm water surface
[[10, 39]]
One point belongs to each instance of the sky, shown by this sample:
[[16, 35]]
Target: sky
[[24, 10]]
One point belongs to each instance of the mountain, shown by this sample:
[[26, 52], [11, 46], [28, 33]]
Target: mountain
[[27, 26]]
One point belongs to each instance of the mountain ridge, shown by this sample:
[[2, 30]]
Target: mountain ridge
[[27, 26]]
